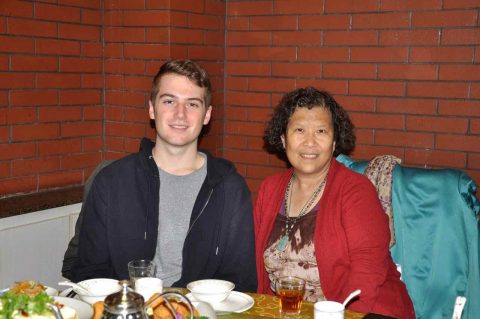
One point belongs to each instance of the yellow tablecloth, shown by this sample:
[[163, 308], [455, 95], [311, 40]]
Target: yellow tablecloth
[[266, 306]]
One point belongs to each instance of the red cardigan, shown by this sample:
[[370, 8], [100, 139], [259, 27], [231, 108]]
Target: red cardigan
[[351, 242]]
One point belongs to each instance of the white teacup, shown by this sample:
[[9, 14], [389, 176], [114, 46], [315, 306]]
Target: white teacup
[[147, 286], [328, 310]]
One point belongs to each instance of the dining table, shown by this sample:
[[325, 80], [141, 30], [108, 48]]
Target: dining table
[[267, 306]]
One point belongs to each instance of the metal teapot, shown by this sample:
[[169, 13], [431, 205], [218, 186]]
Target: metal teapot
[[127, 304]]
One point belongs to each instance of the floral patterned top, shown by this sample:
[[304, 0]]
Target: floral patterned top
[[298, 259]]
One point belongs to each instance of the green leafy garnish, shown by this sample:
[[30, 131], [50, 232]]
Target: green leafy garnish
[[11, 302]]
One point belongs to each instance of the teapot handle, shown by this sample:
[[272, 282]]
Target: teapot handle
[[169, 305]]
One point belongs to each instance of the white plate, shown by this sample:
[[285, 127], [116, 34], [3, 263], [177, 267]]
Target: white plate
[[84, 310], [235, 302]]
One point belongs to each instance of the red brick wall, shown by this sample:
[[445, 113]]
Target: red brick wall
[[75, 78], [139, 36], [50, 93], [408, 72]]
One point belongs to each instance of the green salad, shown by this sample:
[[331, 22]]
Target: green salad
[[10, 302]]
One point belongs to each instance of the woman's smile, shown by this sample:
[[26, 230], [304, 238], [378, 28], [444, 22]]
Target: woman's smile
[[308, 155]]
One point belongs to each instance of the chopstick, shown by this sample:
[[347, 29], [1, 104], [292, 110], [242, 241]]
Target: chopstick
[[71, 294]]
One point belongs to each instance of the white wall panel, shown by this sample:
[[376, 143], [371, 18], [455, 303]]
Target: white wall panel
[[32, 245]]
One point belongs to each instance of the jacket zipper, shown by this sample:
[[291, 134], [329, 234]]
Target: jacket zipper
[[201, 212], [150, 157]]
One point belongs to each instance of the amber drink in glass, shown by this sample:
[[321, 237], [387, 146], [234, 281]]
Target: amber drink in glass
[[290, 291]]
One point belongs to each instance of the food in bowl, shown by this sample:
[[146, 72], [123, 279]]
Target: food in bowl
[[211, 290], [28, 300], [162, 312], [156, 308], [159, 309], [98, 289]]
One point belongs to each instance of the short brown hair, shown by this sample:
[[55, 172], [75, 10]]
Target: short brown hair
[[187, 68]]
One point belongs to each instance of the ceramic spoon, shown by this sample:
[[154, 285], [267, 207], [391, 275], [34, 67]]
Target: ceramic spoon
[[350, 296], [83, 290]]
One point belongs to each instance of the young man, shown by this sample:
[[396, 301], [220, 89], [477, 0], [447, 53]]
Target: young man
[[189, 212]]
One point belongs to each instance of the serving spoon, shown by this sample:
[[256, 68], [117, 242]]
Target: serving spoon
[[351, 296], [56, 310], [82, 289]]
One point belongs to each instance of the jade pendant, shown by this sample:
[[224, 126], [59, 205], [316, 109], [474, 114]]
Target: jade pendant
[[282, 243]]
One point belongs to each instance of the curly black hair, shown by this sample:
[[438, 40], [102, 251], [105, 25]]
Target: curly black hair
[[308, 97]]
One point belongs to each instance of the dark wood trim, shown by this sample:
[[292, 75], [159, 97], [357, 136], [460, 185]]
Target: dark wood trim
[[27, 203]]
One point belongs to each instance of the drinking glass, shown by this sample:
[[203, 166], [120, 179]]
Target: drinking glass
[[140, 269], [290, 291]]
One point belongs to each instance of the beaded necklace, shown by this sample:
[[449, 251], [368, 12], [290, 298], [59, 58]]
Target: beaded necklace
[[291, 221]]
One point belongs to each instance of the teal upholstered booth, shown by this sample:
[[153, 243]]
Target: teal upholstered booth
[[437, 237]]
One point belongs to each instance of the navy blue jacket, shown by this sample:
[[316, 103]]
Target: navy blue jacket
[[120, 223]]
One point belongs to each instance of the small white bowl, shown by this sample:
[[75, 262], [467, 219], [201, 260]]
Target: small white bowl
[[211, 290], [51, 291], [99, 289]]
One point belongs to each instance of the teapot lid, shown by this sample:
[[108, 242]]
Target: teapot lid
[[125, 301]]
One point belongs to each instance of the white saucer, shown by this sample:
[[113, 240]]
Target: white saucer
[[236, 302], [84, 310]]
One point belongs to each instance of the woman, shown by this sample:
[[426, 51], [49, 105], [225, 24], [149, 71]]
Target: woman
[[319, 220]]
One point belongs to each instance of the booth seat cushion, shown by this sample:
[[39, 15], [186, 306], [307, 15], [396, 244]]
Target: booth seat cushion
[[437, 237]]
